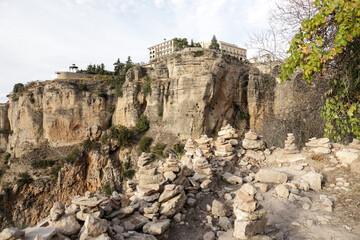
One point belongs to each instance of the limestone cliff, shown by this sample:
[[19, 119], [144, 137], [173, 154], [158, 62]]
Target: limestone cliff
[[57, 112], [192, 93]]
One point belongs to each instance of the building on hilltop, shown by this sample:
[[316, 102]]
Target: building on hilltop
[[161, 49], [167, 47], [231, 49]]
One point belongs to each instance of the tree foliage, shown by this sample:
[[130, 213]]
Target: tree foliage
[[214, 43], [122, 134], [142, 124], [329, 42], [18, 88], [180, 43]]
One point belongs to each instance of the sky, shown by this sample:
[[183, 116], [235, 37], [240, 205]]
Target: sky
[[38, 38]]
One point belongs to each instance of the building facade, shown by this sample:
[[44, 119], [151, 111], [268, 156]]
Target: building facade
[[228, 48], [167, 47], [161, 49]]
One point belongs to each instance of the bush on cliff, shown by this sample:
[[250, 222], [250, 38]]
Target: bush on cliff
[[24, 178], [144, 144], [142, 124], [158, 151], [18, 88], [42, 163], [122, 134]]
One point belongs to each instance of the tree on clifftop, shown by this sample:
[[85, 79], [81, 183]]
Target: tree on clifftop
[[118, 66], [329, 42], [214, 43]]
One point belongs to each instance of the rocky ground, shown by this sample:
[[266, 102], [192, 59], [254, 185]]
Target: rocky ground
[[222, 189]]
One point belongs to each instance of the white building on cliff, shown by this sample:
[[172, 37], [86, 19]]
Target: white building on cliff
[[167, 47]]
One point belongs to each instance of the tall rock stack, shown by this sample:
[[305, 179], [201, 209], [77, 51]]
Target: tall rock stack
[[250, 220], [190, 147], [149, 179], [290, 147], [89, 205], [319, 146], [202, 169], [254, 146], [224, 149], [170, 168], [204, 143]]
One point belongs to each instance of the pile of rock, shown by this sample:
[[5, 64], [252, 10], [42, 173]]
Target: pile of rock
[[149, 180], [190, 147], [254, 146], [203, 171], [350, 155], [224, 145], [290, 147], [250, 218], [170, 168], [319, 146], [205, 144]]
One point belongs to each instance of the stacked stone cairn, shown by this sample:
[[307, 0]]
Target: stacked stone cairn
[[254, 146], [250, 218], [202, 171], [149, 180], [170, 168], [205, 144], [290, 147], [319, 146], [190, 149], [224, 150]]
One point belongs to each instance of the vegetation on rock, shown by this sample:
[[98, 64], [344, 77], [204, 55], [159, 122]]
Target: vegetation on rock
[[329, 43], [122, 134], [42, 163], [157, 151], [214, 43], [144, 144], [142, 124]]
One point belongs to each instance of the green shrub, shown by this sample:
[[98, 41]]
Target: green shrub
[[82, 87], [7, 157], [103, 95], [122, 134], [118, 90], [89, 145], [32, 100], [142, 124], [128, 174], [24, 178], [107, 189], [144, 144], [18, 88], [179, 148], [158, 151], [11, 132], [199, 53], [55, 170], [160, 111], [147, 86], [42, 163], [104, 139], [72, 156]]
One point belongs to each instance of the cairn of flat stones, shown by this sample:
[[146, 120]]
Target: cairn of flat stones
[[319, 146], [224, 145], [254, 147], [205, 144], [203, 171], [250, 218], [149, 179], [290, 147], [170, 168]]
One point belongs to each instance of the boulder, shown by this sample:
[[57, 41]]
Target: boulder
[[174, 205], [253, 144], [157, 227], [66, 225], [12, 233], [282, 191], [247, 229], [232, 179], [219, 209], [314, 179], [57, 211], [269, 176], [225, 223], [209, 236], [95, 226], [347, 156]]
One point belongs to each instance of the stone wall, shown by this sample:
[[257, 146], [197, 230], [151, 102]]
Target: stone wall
[[71, 75]]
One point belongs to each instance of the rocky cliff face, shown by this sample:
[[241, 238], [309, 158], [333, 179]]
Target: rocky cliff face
[[276, 109], [4, 126], [57, 112], [190, 94]]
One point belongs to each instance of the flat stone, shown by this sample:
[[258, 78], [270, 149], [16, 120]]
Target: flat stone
[[170, 175], [12, 233], [137, 219], [346, 156], [269, 176], [167, 195], [282, 191], [232, 179], [314, 179], [209, 236], [153, 209], [219, 209], [247, 229], [174, 205], [66, 225], [45, 233], [253, 144], [225, 223], [157, 227], [88, 202], [95, 226], [262, 186]]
